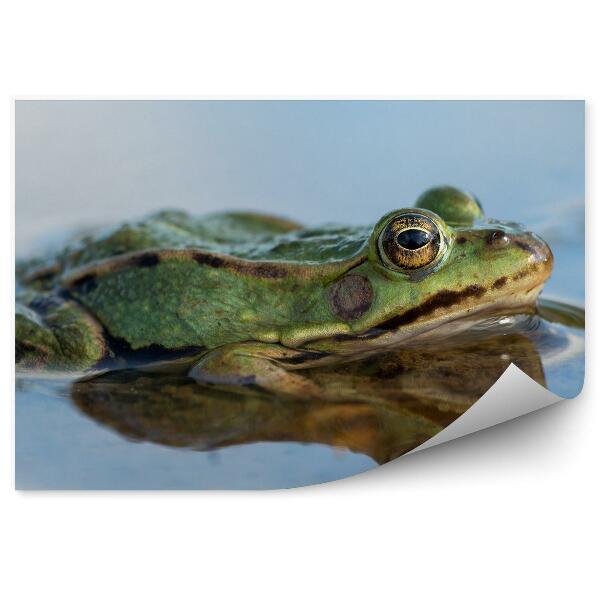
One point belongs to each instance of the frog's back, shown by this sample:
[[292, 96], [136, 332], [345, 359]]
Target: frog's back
[[177, 281], [244, 235]]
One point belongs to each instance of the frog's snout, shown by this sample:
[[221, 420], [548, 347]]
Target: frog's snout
[[539, 252], [539, 256]]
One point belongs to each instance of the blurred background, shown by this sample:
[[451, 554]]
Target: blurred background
[[82, 163]]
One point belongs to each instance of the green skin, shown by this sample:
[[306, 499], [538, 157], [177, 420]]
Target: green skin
[[255, 298]]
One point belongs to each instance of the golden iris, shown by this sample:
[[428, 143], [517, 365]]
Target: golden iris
[[410, 241]]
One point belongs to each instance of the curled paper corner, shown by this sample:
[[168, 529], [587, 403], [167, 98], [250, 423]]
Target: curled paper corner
[[514, 394]]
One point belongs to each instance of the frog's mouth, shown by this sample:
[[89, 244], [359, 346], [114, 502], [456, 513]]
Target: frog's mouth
[[414, 327], [513, 311]]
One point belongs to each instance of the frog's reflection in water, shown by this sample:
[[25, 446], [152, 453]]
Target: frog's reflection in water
[[387, 405]]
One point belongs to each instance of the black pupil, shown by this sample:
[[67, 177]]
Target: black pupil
[[413, 239]]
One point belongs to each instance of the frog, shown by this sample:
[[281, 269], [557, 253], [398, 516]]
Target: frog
[[250, 299]]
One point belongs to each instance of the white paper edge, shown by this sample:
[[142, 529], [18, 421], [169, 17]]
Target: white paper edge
[[513, 395]]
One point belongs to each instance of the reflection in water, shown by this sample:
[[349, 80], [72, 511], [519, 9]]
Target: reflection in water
[[387, 405], [199, 437]]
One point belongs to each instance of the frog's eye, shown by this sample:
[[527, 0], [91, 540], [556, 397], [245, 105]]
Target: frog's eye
[[409, 241]]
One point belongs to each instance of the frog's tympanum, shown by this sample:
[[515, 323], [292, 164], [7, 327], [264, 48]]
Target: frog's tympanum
[[252, 299]]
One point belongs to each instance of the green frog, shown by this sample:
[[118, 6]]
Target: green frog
[[250, 299]]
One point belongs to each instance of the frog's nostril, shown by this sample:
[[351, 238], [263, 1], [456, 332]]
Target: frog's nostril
[[498, 239]]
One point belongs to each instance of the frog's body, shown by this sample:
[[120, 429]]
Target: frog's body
[[255, 297]]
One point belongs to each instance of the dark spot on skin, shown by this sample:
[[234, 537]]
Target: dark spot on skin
[[254, 269], [85, 284], [461, 240], [351, 297], [525, 272], [44, 304], [301, 358], [443, 299], [500, 282], [146, 260], [209, 260], [269, 271], [343, 337]]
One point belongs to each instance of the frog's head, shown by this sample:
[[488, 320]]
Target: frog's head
[[437, 263]]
